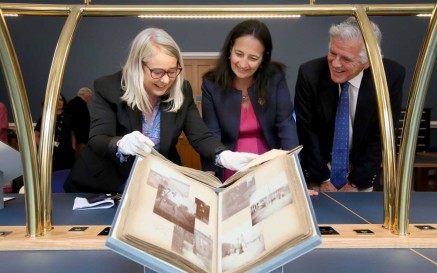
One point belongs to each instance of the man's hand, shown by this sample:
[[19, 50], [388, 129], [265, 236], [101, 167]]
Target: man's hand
[[327, 187], [348, 188], [313, 192]]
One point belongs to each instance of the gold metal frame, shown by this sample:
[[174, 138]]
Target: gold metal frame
[[26, 136], [38, 185], [416, 99]]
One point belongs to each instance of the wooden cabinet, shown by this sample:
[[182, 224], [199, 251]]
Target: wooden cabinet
[[194, 70]]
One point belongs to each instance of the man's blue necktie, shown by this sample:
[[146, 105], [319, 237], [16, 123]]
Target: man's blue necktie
[[340, 149]]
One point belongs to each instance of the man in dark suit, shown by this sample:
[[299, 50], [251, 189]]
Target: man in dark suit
[[316, 98], [78, 110]]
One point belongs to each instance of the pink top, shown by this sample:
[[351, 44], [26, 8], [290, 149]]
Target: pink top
[[4, 125], [250, 138]]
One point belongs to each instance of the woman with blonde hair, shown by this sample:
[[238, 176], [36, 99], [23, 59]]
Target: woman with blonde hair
[[147, 104]]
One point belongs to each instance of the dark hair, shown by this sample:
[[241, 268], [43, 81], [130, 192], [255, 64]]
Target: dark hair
[[223, 75], [63, 99]]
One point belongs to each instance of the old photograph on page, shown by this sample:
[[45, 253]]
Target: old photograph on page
[[259, 215], [171, 212]]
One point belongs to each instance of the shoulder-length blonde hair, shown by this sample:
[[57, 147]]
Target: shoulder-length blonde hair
[[143, 47]]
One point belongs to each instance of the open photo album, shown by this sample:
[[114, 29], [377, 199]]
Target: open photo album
[[177, 219]]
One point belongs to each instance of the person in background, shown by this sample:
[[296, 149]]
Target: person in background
[[4, 126], [4, 123], [320, 84], [147, 104], [246, 102], [78, 110], [64, 141]]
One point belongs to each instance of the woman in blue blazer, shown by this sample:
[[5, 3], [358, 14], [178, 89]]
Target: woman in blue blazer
[[246, 102]]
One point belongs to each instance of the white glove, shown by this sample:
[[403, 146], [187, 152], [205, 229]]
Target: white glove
[[135, 143], [235, 161]]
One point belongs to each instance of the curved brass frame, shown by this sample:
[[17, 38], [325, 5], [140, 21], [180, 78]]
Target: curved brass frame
[[52, 93], [26, 137], [417, 96], [385, 115], [38, 212]]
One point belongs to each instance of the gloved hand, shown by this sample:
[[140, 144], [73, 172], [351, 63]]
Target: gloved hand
[[235, 161], [134, 143]]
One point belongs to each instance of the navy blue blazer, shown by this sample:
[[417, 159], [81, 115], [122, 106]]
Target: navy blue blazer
[[98, 168], [221, 113], [316, 104]]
